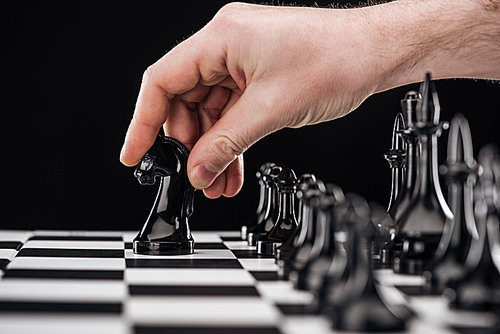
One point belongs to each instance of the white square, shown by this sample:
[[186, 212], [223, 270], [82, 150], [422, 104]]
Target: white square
[[15, 235], [283, 292], [62, 324], [74, 244], [51, 290], [201, 311], [259, 264], [157, 276]]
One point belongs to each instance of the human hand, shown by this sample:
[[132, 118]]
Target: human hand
[[253, 70]]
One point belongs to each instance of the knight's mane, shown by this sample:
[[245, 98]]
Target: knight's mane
[[175, 143]]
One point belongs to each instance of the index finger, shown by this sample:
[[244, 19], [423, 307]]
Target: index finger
[[175, 73]]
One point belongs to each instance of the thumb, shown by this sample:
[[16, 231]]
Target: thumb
[[239, 127]]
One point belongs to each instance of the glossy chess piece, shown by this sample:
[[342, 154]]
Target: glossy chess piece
[[286, 223], [356, 304], [396, 157], [310, 275], [253, 222], [402, 201], [285, 252], [479, 288], [307, 234], [421, 225], [166, 231], [271, 205], [461, 172]]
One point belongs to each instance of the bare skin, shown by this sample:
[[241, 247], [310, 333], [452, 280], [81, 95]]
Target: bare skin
[[253, 70]]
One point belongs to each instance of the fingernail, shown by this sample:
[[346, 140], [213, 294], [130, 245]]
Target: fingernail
[[122, 153], [203, 174]]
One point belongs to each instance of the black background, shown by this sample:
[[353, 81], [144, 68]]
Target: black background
[[71, 75]]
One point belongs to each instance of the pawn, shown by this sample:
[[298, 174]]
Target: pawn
[[323, 252], [305, 240], [286, 223], [479, 288], [252, 223], [271, 209], [357, 305], [166, 231], [283, 253]]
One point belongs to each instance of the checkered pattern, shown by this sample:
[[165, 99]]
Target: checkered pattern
[[92, 282]]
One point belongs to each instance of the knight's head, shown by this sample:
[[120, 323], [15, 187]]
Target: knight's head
[[167, 156]]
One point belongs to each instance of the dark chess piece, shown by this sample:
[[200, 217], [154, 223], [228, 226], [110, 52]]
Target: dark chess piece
[[461, 171], [479, 288], [356, 304], [166, 231], [252, 223], [283, 253], [310, 275], [286, 223], [307, 234], [271, 206], [396, 157], [400, 204], [420, 227]]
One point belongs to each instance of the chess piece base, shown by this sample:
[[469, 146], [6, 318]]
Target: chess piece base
[[267, 247], [163, 248]]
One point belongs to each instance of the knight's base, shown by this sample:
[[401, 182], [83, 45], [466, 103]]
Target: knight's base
[[163, 248]]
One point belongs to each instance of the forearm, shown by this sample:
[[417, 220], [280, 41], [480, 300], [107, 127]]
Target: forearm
[[452, 39]]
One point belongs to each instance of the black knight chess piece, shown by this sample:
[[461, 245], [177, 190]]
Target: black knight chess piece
[[421, 225], [461, 172], [166, 231]]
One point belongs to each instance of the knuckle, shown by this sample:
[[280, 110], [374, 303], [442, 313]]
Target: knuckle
[[147, 73], [229, 15], [229, 149]]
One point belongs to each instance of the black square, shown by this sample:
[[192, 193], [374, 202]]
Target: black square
[[265, 275], [249, 254], [184, 263], [11, 245], [64, 274], [192, 290], [209, 245], [61, 252]]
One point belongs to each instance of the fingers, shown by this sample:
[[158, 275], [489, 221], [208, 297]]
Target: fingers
[[220, 148], [174, 74]]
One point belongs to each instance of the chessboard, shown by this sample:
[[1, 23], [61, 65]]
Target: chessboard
[[92, 282]]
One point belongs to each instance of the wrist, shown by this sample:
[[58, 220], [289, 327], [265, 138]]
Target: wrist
[[449, 38]]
